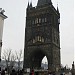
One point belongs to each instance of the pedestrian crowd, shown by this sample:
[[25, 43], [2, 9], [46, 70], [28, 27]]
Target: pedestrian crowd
[[21, 72], [13, 72]]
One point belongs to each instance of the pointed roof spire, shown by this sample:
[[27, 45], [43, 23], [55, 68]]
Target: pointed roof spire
[[31, 4], [42, 2], [28, 5], [73, 62], [57, 8]]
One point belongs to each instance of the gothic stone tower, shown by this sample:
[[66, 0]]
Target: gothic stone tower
[[42, 35]]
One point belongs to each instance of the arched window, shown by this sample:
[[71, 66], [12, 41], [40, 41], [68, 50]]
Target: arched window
[[45, 19], [36, 20], [33, 21], [33, 40], [39, 20], [38, 39], [42, 39], [42, 20]]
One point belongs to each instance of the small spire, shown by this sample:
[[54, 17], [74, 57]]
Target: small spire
[[31, 4], [57, 8], [28, 5], [73, 62]]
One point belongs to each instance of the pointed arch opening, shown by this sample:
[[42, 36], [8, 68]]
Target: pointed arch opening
[[38, 59], [44, 63]]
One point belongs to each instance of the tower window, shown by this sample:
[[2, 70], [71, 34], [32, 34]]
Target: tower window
[[37, 24], [42, 39], [33, 40], [38, 38], [36, 20], [45, 19], [42, 20], [39, 20], [30, 21], [33, 21]]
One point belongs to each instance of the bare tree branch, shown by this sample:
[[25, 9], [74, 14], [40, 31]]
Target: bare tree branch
[[19, 57]]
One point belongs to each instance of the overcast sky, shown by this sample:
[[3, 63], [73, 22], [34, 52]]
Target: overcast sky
[[14, 26]]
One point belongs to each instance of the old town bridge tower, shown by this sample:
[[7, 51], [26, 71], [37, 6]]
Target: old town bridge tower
[[42, 35]]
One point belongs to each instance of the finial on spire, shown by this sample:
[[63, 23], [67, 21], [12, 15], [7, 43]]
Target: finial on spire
[[73, 62], [28, 5], [57, 8], [31, 4]]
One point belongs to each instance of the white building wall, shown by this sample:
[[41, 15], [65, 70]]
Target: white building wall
[[0, 52], [2, 17], [1, 31], [1, 27]]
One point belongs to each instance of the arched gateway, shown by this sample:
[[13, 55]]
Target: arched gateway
[[42, 35]]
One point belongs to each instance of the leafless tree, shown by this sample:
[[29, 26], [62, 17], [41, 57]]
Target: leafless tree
[[6, 56], [9, 58], [12, 60], [19, 55]]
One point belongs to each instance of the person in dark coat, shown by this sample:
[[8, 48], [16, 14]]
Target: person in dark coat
[[20, 72], [3, 72], [36, 73], [61, 74], [13, 72], [30, 73]]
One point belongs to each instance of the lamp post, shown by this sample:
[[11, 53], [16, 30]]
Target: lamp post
[[8, 67]]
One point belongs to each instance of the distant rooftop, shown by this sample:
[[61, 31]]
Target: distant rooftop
[[2, 13]]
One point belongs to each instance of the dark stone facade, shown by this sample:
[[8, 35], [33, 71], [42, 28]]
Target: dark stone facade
[[42, 36]]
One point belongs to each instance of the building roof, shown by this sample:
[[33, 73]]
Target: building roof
[[42, 2], [2, 15]]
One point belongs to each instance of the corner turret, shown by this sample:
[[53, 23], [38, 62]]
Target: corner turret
[[29, 5]]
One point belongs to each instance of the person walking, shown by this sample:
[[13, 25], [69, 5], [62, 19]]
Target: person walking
[[3, 72], [13, 72]]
